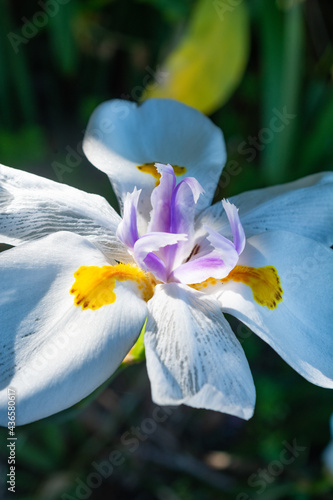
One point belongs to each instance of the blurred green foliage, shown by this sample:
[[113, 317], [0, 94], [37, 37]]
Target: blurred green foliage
[[51, 78]]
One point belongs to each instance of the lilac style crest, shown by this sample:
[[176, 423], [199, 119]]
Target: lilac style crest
[[171, 250]]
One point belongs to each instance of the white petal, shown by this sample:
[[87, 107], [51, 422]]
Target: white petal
[[193, 357], [303, 207], [54, 353], [32, 207], [121, 135], [250, 199], [300, 328]]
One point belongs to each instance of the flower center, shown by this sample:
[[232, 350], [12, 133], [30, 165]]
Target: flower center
[[172, 250]]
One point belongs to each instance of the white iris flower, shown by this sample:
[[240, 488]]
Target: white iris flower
[[81, 281]]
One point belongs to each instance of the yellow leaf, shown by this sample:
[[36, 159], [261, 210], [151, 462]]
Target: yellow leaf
[[208, 64]]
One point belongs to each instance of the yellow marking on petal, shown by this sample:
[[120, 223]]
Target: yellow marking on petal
[[94, 286], [264, 282], [204, 284], [149, 168]]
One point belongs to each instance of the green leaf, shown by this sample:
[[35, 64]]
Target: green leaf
[[62, 39], [208, 64], [318, 144], [5, 110], [137, 353], [282, 47], [34, 456], [22, 146], [173, 10], [18, 79]]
